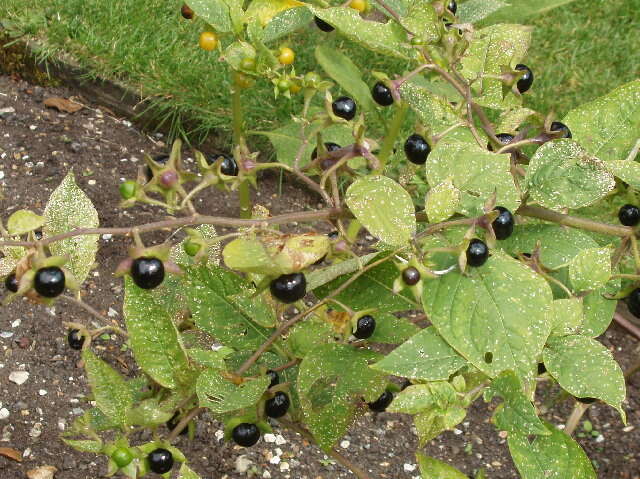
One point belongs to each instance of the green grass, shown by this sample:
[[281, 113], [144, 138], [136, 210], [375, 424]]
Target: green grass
[[579, 52]]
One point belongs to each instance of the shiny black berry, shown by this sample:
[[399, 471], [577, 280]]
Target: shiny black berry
[[542, 368], [75, 339], [277, 406], [173, 422], [333, 235], [633, 302], [586, 400], [229, 165], [503, 138], [503, 224], [274, 377], [160, 159], [477, 253], [452, 6], [526, 80], [322, 25], [245, 434], [49, 282], [147, 273], [629, 215], [382, 94], [289, 288], [559, 126], [382, 403], [11, 283], [344, 107], [328, 146], [411, 276], [160, 461], [417, 149], [366, 327]]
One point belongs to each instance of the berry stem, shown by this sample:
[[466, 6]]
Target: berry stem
[[391, 136], [89, 309], [393, 13], [184, 422]]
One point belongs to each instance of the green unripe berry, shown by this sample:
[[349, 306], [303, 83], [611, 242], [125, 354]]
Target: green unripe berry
[[122, 457], [128, 189], [284, 85], [248, 63], [191, 248]]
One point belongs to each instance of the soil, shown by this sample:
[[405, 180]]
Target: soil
[[38, 146]]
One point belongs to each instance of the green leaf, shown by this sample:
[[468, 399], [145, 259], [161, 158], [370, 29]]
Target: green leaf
[[250, 256], [425, 356], [265, 10], [392, 330], [384, 208], [112, 395], [483, 174], [153, 336], [562, 174], [340, 67], [598, 310], [84, 445], [556, 455], [422, 20], [222, 396], [210, 359], [475, 10], [434, 112], [186, 473], [431, 468], [389, 38], [320, 277], [516, 415], [519, 10], [418, 397], [510, 120], [590, 269], [478, 314], [149, 413], [332, 380], [255, 307], [214, 12], [627, 170], [585, 368], [608, 126], [69, 208], [208, 292], [23, 221], [567, 315], [442, 201], [286, 22], [307, 335]]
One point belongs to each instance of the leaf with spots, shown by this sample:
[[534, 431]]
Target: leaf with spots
[[384, 208], [434, 111], [608, 126], [424, 356], [480, 317], [562, 174], [70, 208], [265, 10], [442, 201], [431, 468], [391, 329], [475, 10], [187, 473], [598, 310], [590, 269], [585, 368], [23, 221], [567, 314], [222, 396], [554, 456], [286, 22], [627, 170], [214, 12]]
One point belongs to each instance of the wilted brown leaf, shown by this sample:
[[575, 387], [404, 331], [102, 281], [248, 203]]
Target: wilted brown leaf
[[11, 453], [62, 104], [44, 472]]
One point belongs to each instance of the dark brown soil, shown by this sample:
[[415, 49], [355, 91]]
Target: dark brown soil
[[37, 148]]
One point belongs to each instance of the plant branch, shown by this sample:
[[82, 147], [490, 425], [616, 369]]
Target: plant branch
[[577, 413], [574, 221], [93, 312], [184, 422], [626, 324]]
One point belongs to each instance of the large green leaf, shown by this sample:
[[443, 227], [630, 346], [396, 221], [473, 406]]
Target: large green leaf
[[431, 468], [585, 368], [422, 20], [608, 126], [187, 473], [23, 221], [483, 174], [434, 112], [627, 170], [598, 310], [384, 208], [475, 10], [68, 209], [346, 73], [265, 10], [332, 380], [111, 393], [153, 336], [222, 396], [479, 315], [562, 174], [214, 12], [519, 10], [553, 456], [516, 415], [442, 201], [209, 293], [567, 314], [590, 269], [425, 356], [319, 277], [286, 22], [391, 329]]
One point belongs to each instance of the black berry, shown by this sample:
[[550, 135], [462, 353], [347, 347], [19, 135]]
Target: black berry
[[411, 276], [417, 149], [328, 146], [322, 25], [382, 403], [11, 283], [405, 384], [333, 235], [75, 339], [452, 6], [559, 126], [344, 107], [147, 273], [503, 138], [49, 282], [542, 368], [586, 400], [245, 434], [526, 80], [503, 224], [366, 327], [173, 422], [275, 378], [160, 461], [160, 159], [629, 215], [229, 165], [477, 253], [382, 94], [186, 12], [277, 406], [289, 288], [633, 302]]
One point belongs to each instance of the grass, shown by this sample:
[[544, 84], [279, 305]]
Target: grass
[[579, 52]]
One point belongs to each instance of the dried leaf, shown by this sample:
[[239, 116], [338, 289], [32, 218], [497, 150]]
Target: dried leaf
[[44, 472], [62, 104], [11, 454]]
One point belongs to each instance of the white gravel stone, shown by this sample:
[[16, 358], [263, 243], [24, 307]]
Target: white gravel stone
[[345, 444], [243, 463], [16, 323], [280, 440], [19, 377], [409, 467], [284, 466], [219, 435], [275, 460], [4, 413], [269, 437], [42, 392]]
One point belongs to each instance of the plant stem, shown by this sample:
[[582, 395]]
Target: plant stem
[[574, 221], [577, 413], [184, 422], [626, 324], [391, 136], [89, 309], [244, 193]]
